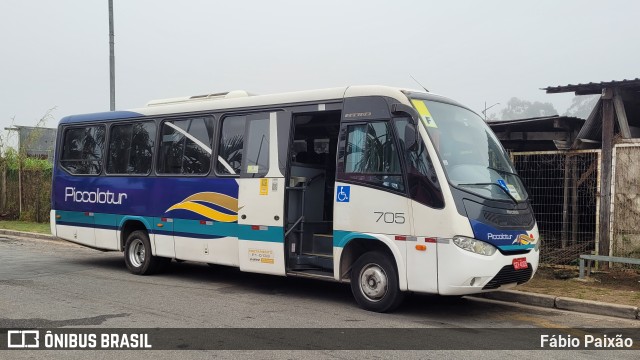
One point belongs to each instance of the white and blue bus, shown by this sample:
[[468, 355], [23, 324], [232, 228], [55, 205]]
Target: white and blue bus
[[391, 190]]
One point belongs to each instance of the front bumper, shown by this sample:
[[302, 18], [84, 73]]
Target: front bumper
[[461, 272]]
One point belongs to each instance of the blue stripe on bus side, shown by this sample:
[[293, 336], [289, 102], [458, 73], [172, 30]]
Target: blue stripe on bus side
[[517, 247], [341, 238], [213, 228], [181, 227], [79, 224], [75, 217], [271, 234]]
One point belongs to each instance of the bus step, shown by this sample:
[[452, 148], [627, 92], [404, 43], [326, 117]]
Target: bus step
[[319, 255], [302, 261], [322, 244], [313, 274]]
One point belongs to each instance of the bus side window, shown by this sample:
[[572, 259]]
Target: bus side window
[[256, 159], [185, 146], [371, 156], [237, 156], [229, 160], [131, 148], [421, 176], [82, 150]]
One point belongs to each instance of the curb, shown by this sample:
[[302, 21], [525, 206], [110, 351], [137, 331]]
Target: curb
[[27, 234], [563, 303]]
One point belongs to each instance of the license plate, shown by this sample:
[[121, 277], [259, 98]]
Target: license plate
[[520, 263]]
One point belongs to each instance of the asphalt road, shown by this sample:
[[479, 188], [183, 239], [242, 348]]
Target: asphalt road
[[53, 284]]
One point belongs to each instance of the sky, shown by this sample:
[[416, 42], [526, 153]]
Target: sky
[[55, 54]]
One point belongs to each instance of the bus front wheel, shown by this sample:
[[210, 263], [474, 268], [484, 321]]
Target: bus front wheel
[[374, 282], [138, 257]]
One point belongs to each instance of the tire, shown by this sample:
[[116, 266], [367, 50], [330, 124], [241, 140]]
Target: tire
[[138, 256], [374, 282]]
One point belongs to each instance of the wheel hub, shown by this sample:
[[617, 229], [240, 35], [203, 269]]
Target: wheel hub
[[137, 253], [373, 282]]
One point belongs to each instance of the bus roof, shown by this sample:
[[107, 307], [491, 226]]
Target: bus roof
[[242, 99]]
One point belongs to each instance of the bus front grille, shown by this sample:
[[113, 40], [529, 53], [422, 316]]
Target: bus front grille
[[523, 220], [509, 275]]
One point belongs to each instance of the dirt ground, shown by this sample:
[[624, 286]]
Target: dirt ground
[[616, 286]]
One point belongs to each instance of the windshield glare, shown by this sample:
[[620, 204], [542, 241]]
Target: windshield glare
[[471, 155]]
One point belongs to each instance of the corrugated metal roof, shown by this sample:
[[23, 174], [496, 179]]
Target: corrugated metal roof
[[593, 88], [537, 134], [534, 120]]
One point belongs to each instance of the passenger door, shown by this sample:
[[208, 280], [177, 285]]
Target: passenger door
[[261, 189], [426, 207], [370, 198]]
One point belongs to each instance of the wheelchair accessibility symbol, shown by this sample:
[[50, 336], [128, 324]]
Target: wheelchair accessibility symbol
[[343, 194]]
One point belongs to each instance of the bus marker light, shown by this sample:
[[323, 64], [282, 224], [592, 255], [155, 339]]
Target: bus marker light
[[160, 225], [259, 227], [401, 238], [88, 214], [421, 247], [430, 240], [58, 216]]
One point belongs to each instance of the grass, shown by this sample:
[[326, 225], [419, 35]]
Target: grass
[[612, 286], [42, 228]]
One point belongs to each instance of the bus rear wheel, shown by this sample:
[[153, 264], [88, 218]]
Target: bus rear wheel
[[374, 282], [138, 256]]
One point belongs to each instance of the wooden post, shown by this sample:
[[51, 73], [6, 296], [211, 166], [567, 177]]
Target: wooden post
[[621, 114], [19, 187], [574, 200], [605, 183], [565, 201], [3, 194], [37, 204]]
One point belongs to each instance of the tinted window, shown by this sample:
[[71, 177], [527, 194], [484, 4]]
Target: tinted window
[[185, 146], [229, 159], [82, 150], [371, 155], [131, 148], [257, 156], [422, 180]]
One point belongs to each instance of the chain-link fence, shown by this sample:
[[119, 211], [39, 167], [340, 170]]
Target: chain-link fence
[[563, 189], [625, 201]]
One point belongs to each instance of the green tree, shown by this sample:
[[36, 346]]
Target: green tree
[[523, 109], [581, 106]]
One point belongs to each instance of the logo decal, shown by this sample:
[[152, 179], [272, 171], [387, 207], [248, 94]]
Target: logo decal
[[343, 194], [200, 204], [499, 236], [23, 339], [502, 184], [94, 197], [524, 239]]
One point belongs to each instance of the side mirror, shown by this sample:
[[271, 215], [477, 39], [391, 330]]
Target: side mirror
[[402, 109], [410, 139]]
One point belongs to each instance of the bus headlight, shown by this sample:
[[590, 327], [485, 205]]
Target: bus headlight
[[474, 245]]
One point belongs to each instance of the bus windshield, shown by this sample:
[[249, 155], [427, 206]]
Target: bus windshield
[[471, 155]]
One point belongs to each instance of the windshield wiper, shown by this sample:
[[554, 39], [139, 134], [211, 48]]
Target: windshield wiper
[[501, 171], [506, 191]]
